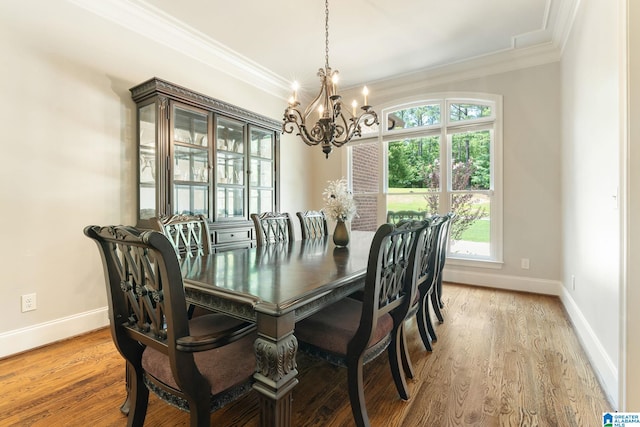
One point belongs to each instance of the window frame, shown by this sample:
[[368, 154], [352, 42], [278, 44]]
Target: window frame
[[405, 106], [446, 129]]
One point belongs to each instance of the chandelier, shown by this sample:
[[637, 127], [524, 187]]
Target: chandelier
[[334, 127]]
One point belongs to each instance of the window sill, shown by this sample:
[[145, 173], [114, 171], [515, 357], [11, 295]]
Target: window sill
[[478, 263]]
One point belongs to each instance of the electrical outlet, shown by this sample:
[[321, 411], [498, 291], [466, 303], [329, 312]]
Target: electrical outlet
[[524, 263], [28, 302]]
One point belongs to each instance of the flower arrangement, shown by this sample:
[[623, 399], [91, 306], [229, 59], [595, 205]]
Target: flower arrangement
[[339, 203]]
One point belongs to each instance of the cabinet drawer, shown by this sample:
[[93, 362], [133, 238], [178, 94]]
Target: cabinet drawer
[[230, 236]]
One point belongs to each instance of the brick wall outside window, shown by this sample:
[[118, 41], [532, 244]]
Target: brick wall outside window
[[365, 178]]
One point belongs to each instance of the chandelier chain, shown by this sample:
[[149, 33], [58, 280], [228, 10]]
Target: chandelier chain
[[326, 34]]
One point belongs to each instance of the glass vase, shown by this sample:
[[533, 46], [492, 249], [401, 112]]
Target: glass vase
[[341, 234]]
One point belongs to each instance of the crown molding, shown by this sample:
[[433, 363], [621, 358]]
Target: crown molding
[[154, 24], [150, 22], [566, 17], [527, 50], [495, 63]]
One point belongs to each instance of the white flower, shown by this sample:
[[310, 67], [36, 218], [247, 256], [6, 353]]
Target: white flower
[[339, 203]]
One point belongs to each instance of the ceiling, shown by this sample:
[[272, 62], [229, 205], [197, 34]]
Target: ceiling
[[280, 41]]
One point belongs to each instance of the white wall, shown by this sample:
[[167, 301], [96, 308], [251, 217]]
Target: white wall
[[590, 82], [68, 156], [630, 399]]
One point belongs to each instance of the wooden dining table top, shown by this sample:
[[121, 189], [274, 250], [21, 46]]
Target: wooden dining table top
[[280, 277]]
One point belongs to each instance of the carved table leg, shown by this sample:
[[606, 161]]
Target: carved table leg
[[276, 372]]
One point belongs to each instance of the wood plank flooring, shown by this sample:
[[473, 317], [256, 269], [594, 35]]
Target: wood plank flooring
[[502, 359]]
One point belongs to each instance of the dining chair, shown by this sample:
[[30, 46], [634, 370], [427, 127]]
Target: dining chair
[[350, 332], [443, 241], [190, 236], [426, 278], [272, 227], [394, 217], [313, 224], [196, 365]]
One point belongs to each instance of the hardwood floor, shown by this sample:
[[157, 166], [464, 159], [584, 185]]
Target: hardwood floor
[[502, 359]]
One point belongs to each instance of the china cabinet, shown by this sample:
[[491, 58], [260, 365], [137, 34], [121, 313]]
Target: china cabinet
[[199, 155]]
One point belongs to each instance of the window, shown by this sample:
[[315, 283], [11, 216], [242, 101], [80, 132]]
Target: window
[[439, 155]]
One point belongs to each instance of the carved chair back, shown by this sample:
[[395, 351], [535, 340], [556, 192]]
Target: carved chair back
[[272, 227], [394, 217], [144, 285], [428, 262], [391, 277], [443, 242], [313, 224], [188, 234]]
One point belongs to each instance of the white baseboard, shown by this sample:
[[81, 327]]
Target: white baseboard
[[602, 364], [512, 283], [19, 340], [603, 367]]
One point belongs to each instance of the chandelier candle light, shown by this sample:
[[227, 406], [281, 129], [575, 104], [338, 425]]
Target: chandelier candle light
[[333, 128]]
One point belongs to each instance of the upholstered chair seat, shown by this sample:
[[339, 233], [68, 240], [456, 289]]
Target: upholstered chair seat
[[336, 326], [228, 369]]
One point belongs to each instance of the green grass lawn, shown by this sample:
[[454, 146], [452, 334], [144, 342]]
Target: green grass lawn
[[404, 199], [478, 232]]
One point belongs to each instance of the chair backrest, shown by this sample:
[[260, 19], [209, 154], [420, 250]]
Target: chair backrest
[[428, 262], [394, 217], [313, 224], [144, 289], [188, 234], [444, 239], [390, 278], [272, 227]]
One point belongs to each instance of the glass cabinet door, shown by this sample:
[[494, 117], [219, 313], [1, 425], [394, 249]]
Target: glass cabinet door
[[148, 148], [230, 169], [190, 161], [261, 177]]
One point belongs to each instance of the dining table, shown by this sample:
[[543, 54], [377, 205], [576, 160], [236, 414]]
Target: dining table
[[275, 286]]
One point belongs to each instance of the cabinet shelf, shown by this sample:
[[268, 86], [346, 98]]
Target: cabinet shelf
[[220, 185], [231, 153], [193, 183]]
